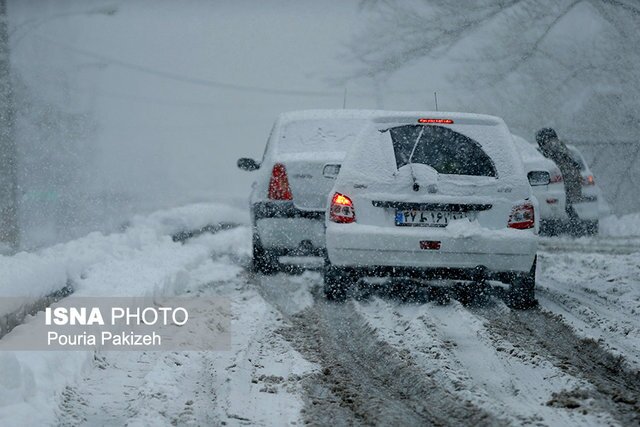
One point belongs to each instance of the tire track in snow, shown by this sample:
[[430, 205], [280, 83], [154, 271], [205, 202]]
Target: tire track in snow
[[364, 380], [615, 390], [453, 342], [597, 317], [142, 387]]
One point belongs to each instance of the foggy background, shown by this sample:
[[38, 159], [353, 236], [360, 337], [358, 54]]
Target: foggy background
[[124, 107]]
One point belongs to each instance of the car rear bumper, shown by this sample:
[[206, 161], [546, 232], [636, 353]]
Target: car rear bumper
[[371, 247], [552, 206], [282, 226], [588, 209], [287, 210]]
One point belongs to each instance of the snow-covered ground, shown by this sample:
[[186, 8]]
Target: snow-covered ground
[[141, 388], [296, 358], [621, 226]]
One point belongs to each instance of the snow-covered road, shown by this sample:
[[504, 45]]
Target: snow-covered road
[[376, 359]]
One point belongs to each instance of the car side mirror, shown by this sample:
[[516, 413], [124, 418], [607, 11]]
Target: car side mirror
[[247, 164], [537, 178], [331, 171]]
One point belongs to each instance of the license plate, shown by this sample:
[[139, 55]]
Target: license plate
[[417, 218]]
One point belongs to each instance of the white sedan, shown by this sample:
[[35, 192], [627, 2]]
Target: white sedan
[[433, 195], [293, 179]]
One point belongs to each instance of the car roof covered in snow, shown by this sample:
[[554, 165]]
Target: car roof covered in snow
[[413, 116], [305, 132], [323, 114]]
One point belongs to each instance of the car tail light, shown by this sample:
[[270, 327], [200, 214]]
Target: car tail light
[[556, 177], [341, 210], [522, 217], [279, 184], [588, 180]]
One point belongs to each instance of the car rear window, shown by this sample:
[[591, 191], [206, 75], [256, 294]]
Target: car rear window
[[319, 135], [445, 150]]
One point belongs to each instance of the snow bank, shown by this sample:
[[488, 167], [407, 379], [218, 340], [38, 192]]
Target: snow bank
[[29, 276], [624, 226], [191, 217]]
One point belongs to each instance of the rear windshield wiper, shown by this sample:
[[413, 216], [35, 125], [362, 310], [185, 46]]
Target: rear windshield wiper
[[416, 186]]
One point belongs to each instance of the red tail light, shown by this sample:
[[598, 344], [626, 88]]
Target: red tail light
[[588, 180], [522, 217], [279, 184], [556, 176], [341, 210]]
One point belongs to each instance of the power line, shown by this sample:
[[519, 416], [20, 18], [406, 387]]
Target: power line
[[216, 84], [191, 80]]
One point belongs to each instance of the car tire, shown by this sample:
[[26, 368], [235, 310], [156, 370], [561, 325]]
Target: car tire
[[264, 261], [338, 282], [522, 291]]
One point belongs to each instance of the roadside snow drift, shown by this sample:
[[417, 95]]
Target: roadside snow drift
[[28, 276]]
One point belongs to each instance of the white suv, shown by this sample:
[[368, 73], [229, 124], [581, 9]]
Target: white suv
[[288, 198], [433, 195]]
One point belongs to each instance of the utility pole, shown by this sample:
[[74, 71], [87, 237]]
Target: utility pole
[[9, 235]]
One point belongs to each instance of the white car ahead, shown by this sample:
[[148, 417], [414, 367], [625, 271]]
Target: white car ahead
[[289, 194], [433, 195], [551, 194]]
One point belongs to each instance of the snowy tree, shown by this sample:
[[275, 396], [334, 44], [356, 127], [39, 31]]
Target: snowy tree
[[514, 33], [551, 48]]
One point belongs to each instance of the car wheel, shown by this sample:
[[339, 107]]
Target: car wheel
[[522, 291], [264, 261], [338, 281]]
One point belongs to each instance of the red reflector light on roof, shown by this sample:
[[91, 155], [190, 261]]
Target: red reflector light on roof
[[439, 121]]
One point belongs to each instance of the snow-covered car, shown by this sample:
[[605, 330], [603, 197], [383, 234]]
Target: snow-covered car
[[433, 195], [552, 198], [298, 169], [588, 209]]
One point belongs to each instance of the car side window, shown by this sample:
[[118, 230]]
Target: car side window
[[445, 150]]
